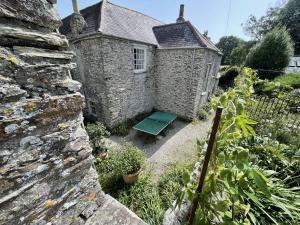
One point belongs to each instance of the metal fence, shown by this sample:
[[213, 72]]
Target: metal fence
[[270, 110]]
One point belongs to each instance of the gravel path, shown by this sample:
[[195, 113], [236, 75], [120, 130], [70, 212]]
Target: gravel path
[[177, 147]]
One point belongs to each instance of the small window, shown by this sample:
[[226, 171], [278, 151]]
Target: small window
[[207, 72], [92, 108], [208, 68], [139, 59]]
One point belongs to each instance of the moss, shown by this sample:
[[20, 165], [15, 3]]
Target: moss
[[91, 196], [8, 112], [12, 60], [49, 204], [30, 107]]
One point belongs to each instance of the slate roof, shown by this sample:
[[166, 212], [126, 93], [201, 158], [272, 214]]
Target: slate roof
[[91, 14], [176, 35], [122, 22], [180, 35], [114, 20]]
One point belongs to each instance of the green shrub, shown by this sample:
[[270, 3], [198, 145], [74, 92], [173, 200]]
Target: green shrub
[[272, 55], [127, 159], [123, 128], [218, 92], [97, 131], [142, 198], [271, 88], [169, 186], [239, 54], [292, 79], [227, 77], [131, 158], [202, 114], [108, 170], [278, 131], [207, 107]]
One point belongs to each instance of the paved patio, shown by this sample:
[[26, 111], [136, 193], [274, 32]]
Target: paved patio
[[176, 147]]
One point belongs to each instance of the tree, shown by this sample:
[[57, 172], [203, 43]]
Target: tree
[[289, 16], [257, 28], [226, 44], [272, 55], [239, 54]]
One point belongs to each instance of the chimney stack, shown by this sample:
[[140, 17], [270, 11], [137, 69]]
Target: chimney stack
[[181, 14], [75, 6], [77, 22]]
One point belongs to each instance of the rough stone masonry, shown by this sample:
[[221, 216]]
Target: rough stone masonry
[[46, 173]]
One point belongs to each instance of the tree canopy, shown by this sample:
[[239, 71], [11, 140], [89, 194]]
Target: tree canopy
[[288, 15], [226, 44], [258, 27], [239, 54], [272, 54]]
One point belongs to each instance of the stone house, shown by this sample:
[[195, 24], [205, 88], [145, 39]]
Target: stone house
[[130, 63]]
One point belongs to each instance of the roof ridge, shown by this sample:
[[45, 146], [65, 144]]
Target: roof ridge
[[196, 33], [170, 24], [134, 11]]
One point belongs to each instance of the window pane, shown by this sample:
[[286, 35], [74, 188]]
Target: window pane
[[139, 58]]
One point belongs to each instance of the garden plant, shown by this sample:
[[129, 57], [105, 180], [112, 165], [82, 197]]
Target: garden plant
[[240, 189]]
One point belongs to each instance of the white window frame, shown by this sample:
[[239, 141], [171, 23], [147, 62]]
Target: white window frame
[[144, 58], [91, 105]]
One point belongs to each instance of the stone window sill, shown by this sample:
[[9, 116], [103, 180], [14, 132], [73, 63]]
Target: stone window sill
[[140, 71]]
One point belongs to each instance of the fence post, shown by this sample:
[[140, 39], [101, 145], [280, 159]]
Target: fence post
[[208, 154]]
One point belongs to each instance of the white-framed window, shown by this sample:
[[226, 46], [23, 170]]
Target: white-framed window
[[92, 108], [139, 59]]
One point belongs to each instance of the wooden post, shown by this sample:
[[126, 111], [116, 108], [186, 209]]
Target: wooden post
[[208, 154]]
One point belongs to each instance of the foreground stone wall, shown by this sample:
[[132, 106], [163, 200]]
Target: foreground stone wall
[[180, 78], [46, 173], [106, 71]]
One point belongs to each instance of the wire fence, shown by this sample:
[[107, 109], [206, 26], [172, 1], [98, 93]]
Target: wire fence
[[269, 110]]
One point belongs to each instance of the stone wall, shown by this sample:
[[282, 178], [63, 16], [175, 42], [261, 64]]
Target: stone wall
[[46, 173], [175, 80], [207, 85], [180, 78], [106, 71]]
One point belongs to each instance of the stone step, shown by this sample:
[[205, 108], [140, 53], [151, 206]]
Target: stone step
[[114, 213]]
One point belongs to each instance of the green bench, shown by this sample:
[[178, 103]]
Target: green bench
[[155, 123]]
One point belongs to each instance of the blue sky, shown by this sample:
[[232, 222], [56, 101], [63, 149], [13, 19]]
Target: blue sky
[[208, 15]]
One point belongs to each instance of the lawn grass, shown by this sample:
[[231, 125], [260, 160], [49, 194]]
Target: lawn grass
[[291, 79]]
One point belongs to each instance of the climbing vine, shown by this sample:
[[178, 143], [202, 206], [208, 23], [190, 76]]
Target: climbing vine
[[233, 183]]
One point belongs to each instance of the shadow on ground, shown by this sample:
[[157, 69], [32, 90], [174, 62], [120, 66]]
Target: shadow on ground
[[149, 143], [176, 147]]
